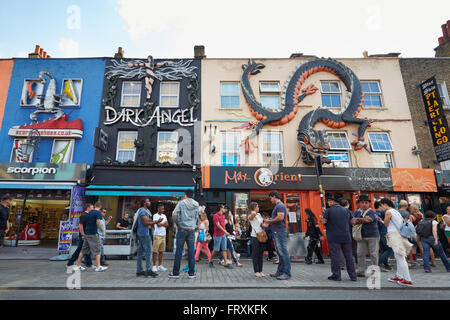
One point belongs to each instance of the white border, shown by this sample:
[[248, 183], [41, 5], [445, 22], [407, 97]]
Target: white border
[[389, 138], [157, 144], [121, 94], [79, 96], [118, 143], [229, 95]]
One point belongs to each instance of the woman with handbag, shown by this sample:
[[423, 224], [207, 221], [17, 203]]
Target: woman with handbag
[[203, 237], [258, 238], [315, 236]]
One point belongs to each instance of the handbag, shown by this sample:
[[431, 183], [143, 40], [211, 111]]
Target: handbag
[[357, 229], [201, 236], [262, 236], [208, 237]]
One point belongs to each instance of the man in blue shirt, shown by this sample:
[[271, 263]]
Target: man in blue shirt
[[370, 234], [91, 239], [278, 226], [337, 222], [144, 240]]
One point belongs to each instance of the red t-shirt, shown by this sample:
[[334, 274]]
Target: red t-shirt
[[218, 217]]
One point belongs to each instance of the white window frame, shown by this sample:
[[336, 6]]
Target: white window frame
[[230, 95], [330, 134], [71, 153], [127, 94], [13, 156], [390, 154], [444, 94], [240, 152], [337, 163], [24, 89], [268, 90], [270, 95], [371, 145], [158, 145], [281, 152], [339, 94], [380, 93], [79, 95], [169, 95], [118, 144]]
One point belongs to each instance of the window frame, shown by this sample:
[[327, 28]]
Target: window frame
[[337, 94], [229, 95], [380, 94], [263, 153], [72, 141], [330, 134], [261, 90], [443, 93], [383, 150], [24, 89], [391, 156], [127, 94], [79, 95], [118, 144], [158, 145], [334, 162], [241, 156], [161, 95], [12, 158]]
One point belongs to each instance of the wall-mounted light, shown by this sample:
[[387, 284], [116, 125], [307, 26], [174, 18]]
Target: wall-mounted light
[[416, 151]]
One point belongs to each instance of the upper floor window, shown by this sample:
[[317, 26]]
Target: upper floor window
[[167, 146], [272, 148], [126, 149], [443, 93], [229, 95], [230, 154], [169, 96], [270, 94], [381, 147], [18, 153], [62, 151], [372, 94], [339, 149], [331, 94], [131, 94], [71, 92]]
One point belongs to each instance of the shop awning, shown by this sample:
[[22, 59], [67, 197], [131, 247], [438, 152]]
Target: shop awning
[[34, 185]]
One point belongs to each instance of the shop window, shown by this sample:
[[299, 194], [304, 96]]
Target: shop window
[[18, 152], [272, 148], [339, 146], [230, 154], [167, 146], [241, 210], [169, 94], [131, 94], [372, 94], [62, 151], [443, 93], [229, 95], [71, 92], [331, 94], [126, 149], [31, 90]]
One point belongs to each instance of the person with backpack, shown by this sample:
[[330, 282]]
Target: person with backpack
[[393, 220], [427, 235]]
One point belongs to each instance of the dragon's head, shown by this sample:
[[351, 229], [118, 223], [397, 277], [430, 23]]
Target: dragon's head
[[253, 67], [314, 142]]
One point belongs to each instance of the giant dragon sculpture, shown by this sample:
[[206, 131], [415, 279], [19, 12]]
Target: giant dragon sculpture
[[313, 142]]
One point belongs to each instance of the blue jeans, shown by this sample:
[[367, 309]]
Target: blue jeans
[[284, 265], [102, 252], [385, 251], [183, 236], [229, 247], [144, 248], [428, 243]]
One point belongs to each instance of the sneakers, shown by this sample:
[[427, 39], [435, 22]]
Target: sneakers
[[100, 269], [211, 264], [405, 283], [334, 278], [172, 276], [283, 277], [80, 268], [142, 273], [395, 279], [155, 269], [192, 276], [427, 271], [150, 273], [276, 261], [161, 268], [222, 263], [276, 274]]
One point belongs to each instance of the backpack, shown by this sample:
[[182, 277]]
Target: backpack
[[407, 230], [424, 228]]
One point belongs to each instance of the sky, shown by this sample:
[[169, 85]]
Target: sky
[[227, 29]]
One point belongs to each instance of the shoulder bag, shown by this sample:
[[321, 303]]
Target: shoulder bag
[[357, 229]]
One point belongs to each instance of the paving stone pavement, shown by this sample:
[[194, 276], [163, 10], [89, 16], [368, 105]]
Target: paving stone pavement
[[121, 274]]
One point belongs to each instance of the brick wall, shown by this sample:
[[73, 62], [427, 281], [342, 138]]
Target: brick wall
[[414, 72]]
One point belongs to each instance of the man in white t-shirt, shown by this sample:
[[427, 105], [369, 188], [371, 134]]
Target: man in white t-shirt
[[159, 238]]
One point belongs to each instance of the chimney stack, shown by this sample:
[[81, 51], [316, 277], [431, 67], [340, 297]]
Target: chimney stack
[[119, 54], [443, 49], [199, 52], [38, 53]]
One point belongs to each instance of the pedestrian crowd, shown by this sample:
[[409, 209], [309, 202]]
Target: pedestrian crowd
[[377, 231]]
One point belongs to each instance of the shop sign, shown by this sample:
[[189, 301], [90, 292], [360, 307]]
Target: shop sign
[[65, 235], [77, 204], [42, 171], [437, 120], [182, 117]]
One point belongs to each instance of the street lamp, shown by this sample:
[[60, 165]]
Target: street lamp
[[31, 144]]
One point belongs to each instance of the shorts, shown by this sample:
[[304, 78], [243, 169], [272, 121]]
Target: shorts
[[220, 243], [447, 233], [159, 244], [91, 245]]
